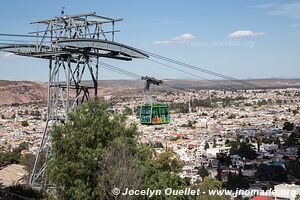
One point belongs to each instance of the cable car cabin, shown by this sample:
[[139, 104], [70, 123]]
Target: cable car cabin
[[156, 113]]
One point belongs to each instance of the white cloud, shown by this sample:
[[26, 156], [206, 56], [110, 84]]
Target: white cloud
[[163, 42], [8, 55], [178, 39], [267, 5], [184, 37], [245, 33]]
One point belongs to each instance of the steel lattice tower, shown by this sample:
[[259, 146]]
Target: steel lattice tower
[[73, 45]]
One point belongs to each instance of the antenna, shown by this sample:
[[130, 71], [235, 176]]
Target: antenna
[[62, 11]]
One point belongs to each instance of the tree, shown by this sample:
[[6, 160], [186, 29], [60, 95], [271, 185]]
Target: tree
[[271, 173], [242, 149], [168, 161], [190, 124], [157, 144], [219, 171], [237, 181], [25, 191], [159, 174], [79, 146], [12, 157], [95, 151], [214, 143], [234, 147], [13, 116], [118, 168], [294, 168], [206, 146], [247, 151], [292, 139], [288, 126], [224, 159], [127, 111], [202, 171], [137, 110], [24, 123], [209, 184]]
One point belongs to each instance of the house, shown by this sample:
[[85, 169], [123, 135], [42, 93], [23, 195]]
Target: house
[[212, 152], [286, 191], [259, 197]]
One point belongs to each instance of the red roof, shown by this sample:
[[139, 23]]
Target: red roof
[[261, 198], [181, 135]]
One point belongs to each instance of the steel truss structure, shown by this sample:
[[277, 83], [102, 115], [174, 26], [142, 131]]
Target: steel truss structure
[[73, 45]]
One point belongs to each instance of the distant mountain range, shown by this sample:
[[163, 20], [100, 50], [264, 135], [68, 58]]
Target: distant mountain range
[[28, 91]]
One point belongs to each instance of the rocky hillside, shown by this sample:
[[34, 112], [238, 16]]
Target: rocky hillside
[[28, 91], [22, 92]]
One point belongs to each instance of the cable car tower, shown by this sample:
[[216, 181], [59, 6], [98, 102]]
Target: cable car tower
[[73, 45]]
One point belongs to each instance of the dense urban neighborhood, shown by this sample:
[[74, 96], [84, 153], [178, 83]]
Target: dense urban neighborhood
[[246, 139]]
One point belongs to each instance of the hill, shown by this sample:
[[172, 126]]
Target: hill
[[23, 92]]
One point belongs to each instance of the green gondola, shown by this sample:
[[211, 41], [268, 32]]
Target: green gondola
[[155, 113]]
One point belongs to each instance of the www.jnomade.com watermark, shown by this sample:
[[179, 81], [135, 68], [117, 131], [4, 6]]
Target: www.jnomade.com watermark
[[225, 43]]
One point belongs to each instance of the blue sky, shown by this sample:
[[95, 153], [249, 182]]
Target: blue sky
[[242, 39]]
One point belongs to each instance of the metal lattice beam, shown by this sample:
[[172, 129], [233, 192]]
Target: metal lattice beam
[[70, 43]]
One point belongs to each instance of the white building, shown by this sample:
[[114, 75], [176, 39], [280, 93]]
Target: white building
[[212, 152], [286, 191]]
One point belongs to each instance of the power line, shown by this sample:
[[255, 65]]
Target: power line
[[200, 77], [200, 69], [158, 57], [135, 76], [23, 35], [131, 74]]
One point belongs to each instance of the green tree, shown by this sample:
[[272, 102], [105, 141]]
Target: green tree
[[237, 181], [78, 148], [247, 151], [214, 143], [168, 161], [13, 156], [206, 185], [206, 146], [25, 191], [271, 173], [95, 152], [288, 126], [13, 116], [24, 123], [190, 124], [202, 171], [127, 111], [294, 168], [234, 147], [224, 159]]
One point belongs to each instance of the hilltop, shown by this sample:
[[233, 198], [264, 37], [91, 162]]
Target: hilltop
[[23, 92]]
